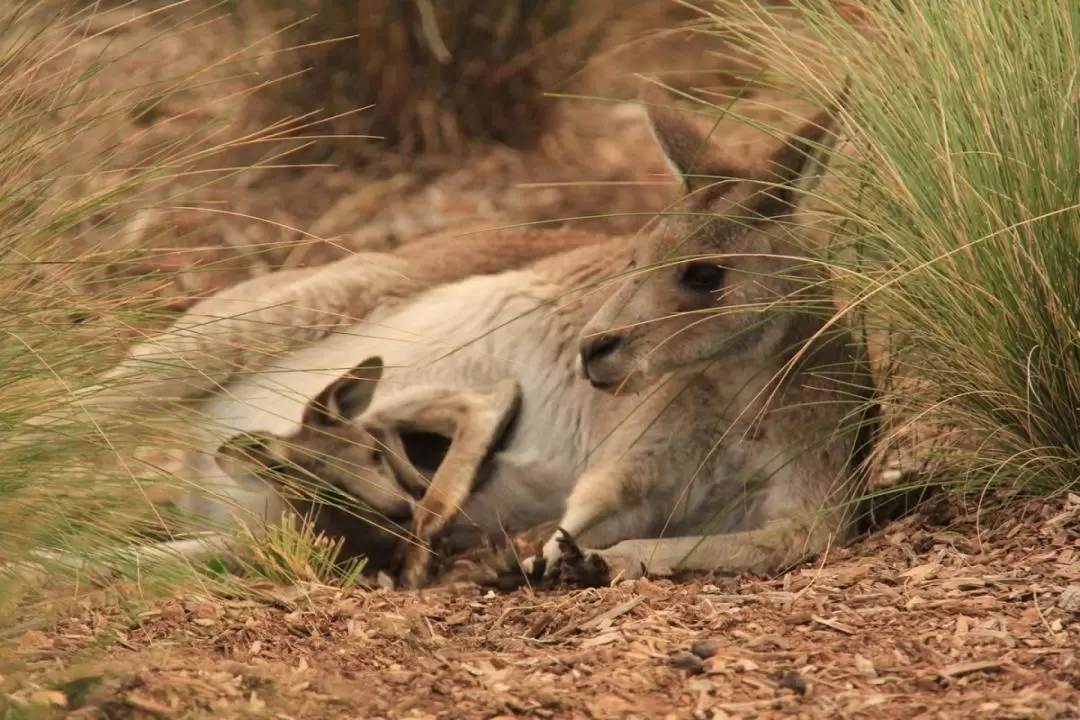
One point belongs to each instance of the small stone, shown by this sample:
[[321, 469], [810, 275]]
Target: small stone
[[1069, 601], [704, 649], [689, 662], [791, 680]]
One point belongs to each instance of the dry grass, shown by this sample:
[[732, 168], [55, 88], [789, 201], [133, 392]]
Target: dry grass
[[136, 124], [957, 220]]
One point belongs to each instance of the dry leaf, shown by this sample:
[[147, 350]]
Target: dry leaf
[[54, 698]]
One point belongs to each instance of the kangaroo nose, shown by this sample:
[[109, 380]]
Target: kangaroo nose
[[597, 347]]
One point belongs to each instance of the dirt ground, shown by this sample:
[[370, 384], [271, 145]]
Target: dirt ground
[[936, 617]]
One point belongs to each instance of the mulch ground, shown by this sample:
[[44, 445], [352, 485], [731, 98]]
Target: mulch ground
[[922, 621]]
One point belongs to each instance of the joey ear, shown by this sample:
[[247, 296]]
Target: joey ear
[[346, 397], [685, 141]]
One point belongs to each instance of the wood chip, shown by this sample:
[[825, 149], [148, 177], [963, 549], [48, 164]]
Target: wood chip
[[145, 704], [864, 666], [961, 669], [605, 639], [834, 625]]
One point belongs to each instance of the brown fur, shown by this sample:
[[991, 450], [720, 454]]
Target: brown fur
[[369, 460]]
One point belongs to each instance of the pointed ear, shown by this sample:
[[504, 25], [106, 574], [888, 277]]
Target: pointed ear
[[800, 164], [346, 397], [685, 141]]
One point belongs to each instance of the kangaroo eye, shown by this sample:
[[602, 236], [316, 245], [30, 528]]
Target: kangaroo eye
[[702, 277]]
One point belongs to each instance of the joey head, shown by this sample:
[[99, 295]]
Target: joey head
[[352, 480]]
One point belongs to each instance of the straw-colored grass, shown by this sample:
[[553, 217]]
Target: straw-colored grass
[[956, 215], [67, 178], [954, 240]]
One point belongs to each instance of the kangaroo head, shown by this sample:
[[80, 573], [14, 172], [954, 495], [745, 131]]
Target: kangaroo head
[[716, 280], [352, 479]]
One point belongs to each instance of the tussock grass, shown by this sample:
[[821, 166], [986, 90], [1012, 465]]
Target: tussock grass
[[78, 491], [955, 216], [295, 551], [67, 178], [952, 235]]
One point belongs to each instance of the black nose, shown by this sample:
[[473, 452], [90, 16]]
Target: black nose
[[598, 347]]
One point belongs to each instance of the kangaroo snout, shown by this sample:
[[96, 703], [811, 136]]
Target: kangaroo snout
[[592, 353]]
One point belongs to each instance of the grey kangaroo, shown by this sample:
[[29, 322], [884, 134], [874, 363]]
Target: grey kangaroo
[[708, 415]]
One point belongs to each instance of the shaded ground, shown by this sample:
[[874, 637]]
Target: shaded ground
[[925, 620]]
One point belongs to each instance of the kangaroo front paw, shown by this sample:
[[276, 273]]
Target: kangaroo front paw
[[558, 546], [543, 569], [415, 568], [563, 564], [567, 565], [534, 567], [628, 560], [528, 573]]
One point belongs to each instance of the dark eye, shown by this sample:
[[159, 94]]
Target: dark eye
[[702, 277]]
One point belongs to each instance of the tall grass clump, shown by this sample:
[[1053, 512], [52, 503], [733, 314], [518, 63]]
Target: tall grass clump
[[956, 214], [75, 173]]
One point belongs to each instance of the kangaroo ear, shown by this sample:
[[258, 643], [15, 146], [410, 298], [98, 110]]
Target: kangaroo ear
[[799, 165], [346, 397], [686, 142]]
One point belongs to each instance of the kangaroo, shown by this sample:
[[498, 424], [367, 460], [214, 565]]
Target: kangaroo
[[747, 388], [474, 377], [752, 392]]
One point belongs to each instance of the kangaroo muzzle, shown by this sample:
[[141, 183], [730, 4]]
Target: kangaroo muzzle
[[594, 360]]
